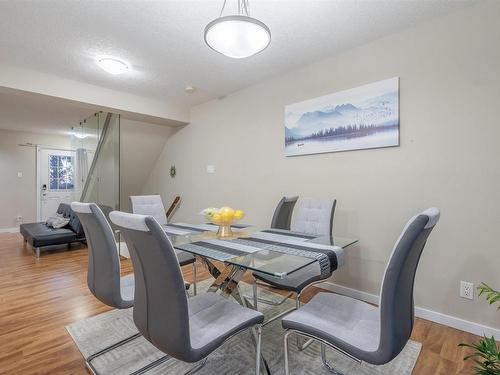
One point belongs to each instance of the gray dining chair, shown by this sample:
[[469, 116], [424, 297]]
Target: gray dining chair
[[103, 277], [282, 216], [185, 329], [153, 205], [149, 205], [314, 217], [363, 332]]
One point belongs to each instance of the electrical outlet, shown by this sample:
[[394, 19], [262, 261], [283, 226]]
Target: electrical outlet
[[466, 290]]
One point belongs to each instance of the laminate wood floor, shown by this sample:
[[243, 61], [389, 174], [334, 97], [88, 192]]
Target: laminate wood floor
[[39, 297]]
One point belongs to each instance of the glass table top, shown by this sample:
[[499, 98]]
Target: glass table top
[[272, 262], [270, 251], [342, 242]]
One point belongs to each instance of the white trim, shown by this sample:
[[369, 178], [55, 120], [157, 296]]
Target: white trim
[[37, 180], [434, 316], [9, 230]]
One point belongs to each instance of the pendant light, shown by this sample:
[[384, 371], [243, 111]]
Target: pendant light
[[237, 36]]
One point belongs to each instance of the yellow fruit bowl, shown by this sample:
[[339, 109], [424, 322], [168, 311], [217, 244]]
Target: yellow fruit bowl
[[224, 217]]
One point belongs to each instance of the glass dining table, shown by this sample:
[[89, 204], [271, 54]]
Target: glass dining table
[[274, 252]]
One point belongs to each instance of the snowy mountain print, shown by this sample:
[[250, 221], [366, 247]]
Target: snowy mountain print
[[363, 117]]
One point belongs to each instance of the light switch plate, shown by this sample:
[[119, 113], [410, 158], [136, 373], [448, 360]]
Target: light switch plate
[[19, 174], [210, 168]]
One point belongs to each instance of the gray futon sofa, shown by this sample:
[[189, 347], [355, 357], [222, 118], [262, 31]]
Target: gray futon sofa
[[40, 235]]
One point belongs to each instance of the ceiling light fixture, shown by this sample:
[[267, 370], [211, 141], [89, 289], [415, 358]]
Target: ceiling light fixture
[[80, 136], [237, 36], [190, 89], [112, 65], [78, 132]]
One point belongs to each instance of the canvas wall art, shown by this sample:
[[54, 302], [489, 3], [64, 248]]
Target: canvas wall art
[[359, 118]]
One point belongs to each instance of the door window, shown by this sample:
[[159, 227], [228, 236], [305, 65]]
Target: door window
[[61, 172]]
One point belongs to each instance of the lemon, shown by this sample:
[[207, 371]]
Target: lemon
[[226, 209], [227, 217], [238, 214], [216, 218]]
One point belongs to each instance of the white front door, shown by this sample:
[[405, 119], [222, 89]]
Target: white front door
[[55, 180]]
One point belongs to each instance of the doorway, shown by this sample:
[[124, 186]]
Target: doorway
[[55, 180]]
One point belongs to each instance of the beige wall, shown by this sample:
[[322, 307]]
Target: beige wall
[[449, 157], [140, 146], [18, 195]]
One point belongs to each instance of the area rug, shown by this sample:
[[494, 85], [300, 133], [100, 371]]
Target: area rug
[[236, 356]]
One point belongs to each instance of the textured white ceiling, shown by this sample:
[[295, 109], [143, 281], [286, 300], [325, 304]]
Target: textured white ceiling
[[163, 40]]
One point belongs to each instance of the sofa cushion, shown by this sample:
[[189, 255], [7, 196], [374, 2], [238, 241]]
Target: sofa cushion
[[39, 234], [58, 221], [74, 223]]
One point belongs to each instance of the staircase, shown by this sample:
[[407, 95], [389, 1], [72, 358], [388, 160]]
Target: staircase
[[97, 143]]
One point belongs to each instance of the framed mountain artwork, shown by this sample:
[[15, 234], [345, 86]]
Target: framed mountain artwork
[[360, 118]]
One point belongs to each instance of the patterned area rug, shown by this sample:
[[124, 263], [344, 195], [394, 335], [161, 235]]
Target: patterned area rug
[[236, 356]]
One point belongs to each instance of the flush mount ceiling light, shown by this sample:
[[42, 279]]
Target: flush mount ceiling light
[[190, 89], [112, 65], [237, 36], [80, 135]]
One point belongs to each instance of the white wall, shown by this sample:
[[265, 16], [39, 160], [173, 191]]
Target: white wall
[[449, 157], [140, 146], [18, 195]]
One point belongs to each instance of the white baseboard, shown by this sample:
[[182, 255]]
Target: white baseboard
[[9, 230], [434, 316]]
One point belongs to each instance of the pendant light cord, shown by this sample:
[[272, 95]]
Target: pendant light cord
[[243, 7], [222, 10]]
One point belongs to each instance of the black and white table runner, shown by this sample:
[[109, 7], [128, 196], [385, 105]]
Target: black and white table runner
[[280, 241]]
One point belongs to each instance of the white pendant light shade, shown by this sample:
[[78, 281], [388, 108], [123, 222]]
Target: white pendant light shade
[[237, 36]]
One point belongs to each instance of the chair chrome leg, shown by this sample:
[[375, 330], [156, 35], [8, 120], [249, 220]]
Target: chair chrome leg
[[194, 278], [323, 344], [257, 350], [255, 299], [305, 345], [297, 338], [302, 346], [197, 367], [281, 314], [151, 365], [88, 361], [325, 362], [285, 345], [274, 303]]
